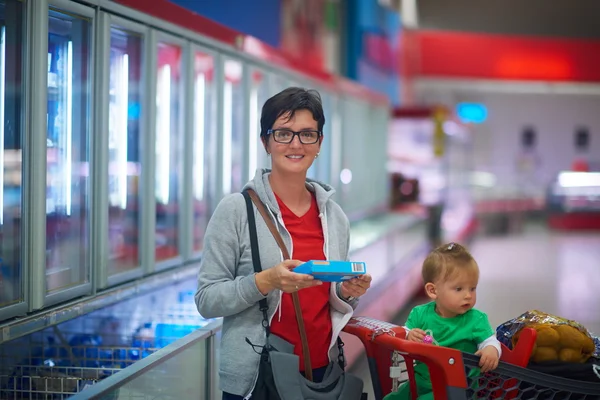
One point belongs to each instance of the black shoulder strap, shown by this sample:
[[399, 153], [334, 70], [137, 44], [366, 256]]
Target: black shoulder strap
[[264, 307]]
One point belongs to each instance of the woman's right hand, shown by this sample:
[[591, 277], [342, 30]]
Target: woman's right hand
[[416, 335], [281, 277]]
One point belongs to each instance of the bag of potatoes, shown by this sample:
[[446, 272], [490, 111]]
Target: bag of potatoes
[[558, 339]]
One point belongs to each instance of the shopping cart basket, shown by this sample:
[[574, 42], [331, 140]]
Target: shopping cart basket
[[451, 370]]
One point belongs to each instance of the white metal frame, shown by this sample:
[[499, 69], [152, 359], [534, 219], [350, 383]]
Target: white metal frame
[[39, 269], [210, 184], [150, 200], [26, 219], [261, 155], [187, 137], [227, 138], [33, 188], [105, 23]]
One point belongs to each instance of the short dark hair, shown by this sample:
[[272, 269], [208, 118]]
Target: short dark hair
[[289, 101]]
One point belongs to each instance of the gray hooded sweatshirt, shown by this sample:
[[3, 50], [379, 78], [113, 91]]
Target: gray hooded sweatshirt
[[226, 283]]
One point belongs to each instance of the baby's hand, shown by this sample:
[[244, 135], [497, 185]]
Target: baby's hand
[[489, 358], [416, 335]]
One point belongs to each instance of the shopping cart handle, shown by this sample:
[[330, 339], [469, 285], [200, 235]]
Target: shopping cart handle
[[521, 353], [445, 365], [366, 329]]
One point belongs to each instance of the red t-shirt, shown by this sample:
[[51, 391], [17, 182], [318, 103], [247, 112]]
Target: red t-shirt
[[307, 236]]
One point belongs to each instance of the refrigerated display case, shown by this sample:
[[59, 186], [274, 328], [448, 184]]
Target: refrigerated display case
[[68, 150], [234, 95], [573, 201], [63, 360], [204, 142], [260, 91], [169, 147], [124, 148], [11, 155]]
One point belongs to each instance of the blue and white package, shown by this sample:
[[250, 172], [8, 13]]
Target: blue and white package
[[332, 271]]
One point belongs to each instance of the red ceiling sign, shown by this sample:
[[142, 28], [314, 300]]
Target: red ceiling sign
[[485, 56]]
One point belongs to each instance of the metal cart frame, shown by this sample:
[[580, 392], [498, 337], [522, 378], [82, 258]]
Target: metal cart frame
[[449, 368]]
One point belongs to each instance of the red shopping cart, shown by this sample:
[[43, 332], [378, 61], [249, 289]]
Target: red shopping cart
[[451, 369]]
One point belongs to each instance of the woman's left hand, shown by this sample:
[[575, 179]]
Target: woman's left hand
[[355, 287]]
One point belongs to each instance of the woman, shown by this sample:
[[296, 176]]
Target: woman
[[313, 227]]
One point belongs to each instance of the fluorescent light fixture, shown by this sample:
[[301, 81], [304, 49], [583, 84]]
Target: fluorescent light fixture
[[409, 14], [121, 128], [253, 132], [227, 132], [233, 71], [483, 179], [69, 142], [453, 129], [579, 179], [2, 89], [163, 133], [199, 121], [346, 176]]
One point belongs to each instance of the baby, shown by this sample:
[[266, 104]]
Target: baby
[[450, 274]]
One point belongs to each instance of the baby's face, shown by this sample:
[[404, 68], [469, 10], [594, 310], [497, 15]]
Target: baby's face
[[456, 295]]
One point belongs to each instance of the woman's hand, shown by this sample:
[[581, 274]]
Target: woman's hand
[[281, 277], [355, 287]]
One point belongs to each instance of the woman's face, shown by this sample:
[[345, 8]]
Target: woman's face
[[294, 157]]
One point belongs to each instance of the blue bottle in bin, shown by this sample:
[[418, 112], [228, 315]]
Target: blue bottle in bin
[[142, 345], [186, 297], [144, 342], [54, 351], [87, 351], [177, 326], [168, 333], [125, 357], [85, 346]]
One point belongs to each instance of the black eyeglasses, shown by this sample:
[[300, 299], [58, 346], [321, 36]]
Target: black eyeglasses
[[286, 136]]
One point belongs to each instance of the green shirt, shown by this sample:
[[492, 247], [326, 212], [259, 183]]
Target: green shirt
[[463, 332]]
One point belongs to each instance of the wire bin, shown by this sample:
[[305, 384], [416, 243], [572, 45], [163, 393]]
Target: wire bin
[[59, 361], [46, 365], [41, 382], [513, 382]]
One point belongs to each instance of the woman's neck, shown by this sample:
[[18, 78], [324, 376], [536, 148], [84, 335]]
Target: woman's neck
[[291, 189]]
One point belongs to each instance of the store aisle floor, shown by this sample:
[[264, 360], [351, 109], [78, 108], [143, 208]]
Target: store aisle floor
[[554, 272]]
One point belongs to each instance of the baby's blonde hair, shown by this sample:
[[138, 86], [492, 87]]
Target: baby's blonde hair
[[447, 260]]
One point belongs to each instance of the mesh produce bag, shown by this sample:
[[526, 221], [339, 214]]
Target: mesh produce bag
[[558, 339]]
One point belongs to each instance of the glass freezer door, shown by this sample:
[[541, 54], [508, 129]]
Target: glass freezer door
[[11, 157], [124, 150], [68, 155]]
